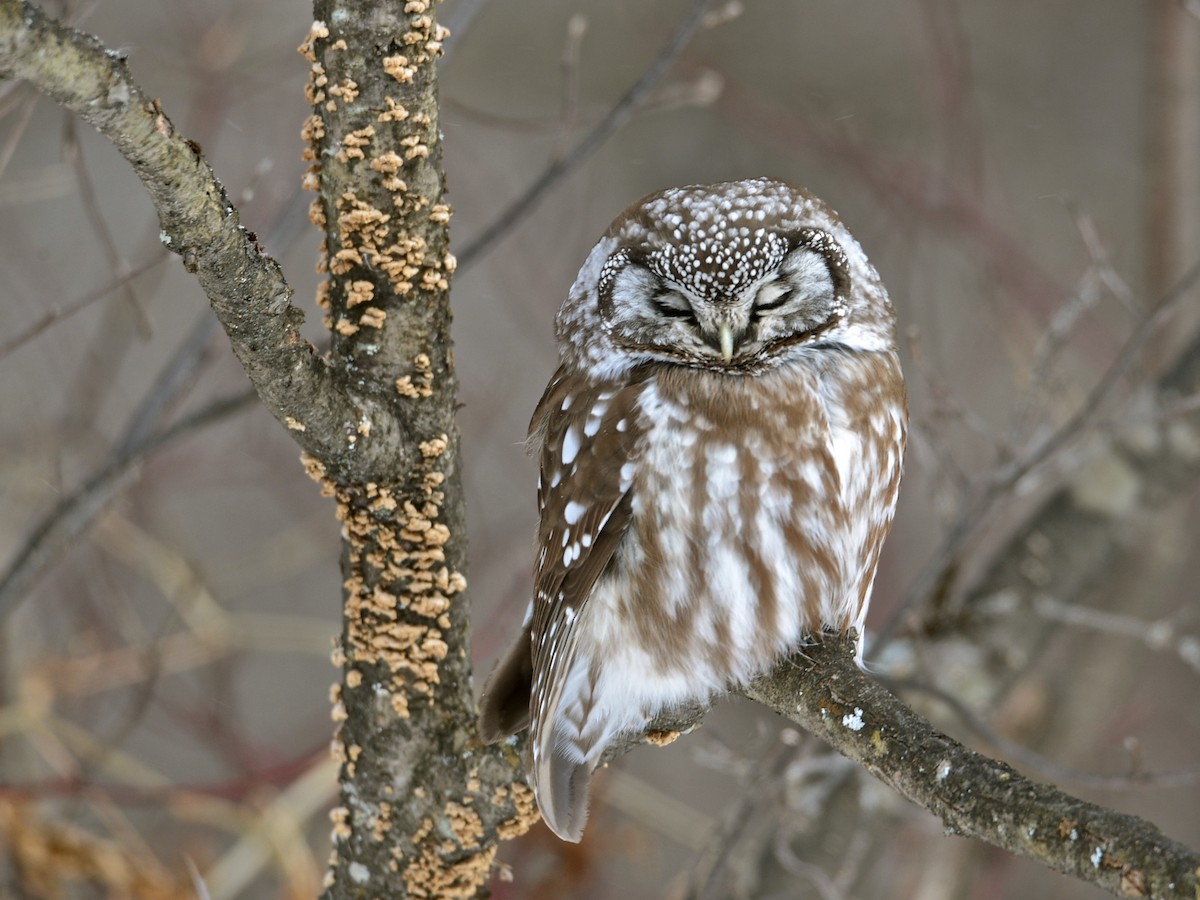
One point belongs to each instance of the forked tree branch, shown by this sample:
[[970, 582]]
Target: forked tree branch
[[245, 286]]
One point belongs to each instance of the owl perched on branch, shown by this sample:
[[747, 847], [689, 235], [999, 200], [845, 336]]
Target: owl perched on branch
[[720, 453]]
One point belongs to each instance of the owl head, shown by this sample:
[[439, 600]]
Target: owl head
[[735, 277]]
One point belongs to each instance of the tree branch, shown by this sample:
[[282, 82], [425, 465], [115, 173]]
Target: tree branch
[[620, 113], [244, 285], [823, 690], [422, 804]]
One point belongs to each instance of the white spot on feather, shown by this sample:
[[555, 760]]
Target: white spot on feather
[[570, 446], [627, 472]]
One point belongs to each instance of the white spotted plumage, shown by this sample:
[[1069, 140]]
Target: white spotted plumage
[[720, 454]]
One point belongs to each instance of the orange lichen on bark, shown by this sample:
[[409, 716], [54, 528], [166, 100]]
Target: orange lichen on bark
[[340, 816], [416, 148], [526, 815], [314, 91], [399, 589], [420, 383], [397, 67], [359, 292], [372, 318], [353, 143], [432, 874], [316, 32], [347, 90], [388, 164], [662, 738], [311, 131], [394, 112]]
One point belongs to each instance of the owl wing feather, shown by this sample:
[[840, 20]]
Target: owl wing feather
[[589, 442]]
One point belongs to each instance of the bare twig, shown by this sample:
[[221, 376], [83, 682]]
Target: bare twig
[[591, 142], [822, 689], [932, 582], [245, 286], [100, 228], [1039, 764], [74, 513], [58, 314], [27, 105], [171, 382]]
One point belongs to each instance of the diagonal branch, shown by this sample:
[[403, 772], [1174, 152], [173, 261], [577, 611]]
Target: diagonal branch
[[507, 220], [824, 691], [245, 286]]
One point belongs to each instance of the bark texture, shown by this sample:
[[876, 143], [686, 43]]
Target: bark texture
[[422, 804], [245, 286]]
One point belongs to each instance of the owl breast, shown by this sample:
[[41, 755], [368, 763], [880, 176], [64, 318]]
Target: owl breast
[[758, 512]]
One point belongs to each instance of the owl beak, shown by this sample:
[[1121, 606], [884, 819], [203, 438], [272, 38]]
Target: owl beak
[[725, 337]]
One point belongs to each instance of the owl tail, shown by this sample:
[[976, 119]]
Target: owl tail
[[560, 781], [504, 707], [559, 773]]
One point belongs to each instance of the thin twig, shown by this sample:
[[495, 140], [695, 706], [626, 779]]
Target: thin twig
[[591, 142], [245, 286], [27, 105], [74, 513], [824, 691], [59, 314], [1035, 761], [933, 577], [99, 226]]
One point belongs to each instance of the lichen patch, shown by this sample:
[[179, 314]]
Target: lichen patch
[[397, 67], [359, 292], [394, 112], [318, 31], [420, 383], [525, 816], [354, 142], [436, 872], [372, 318], [399, 588]]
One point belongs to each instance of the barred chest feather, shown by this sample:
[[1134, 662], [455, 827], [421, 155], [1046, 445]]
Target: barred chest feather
[[757, 514]]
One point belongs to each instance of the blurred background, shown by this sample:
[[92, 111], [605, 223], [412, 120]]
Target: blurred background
[[1023, 175]]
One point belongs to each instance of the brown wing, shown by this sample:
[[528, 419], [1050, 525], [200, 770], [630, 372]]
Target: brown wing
[[586, 436], [590, 440]]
